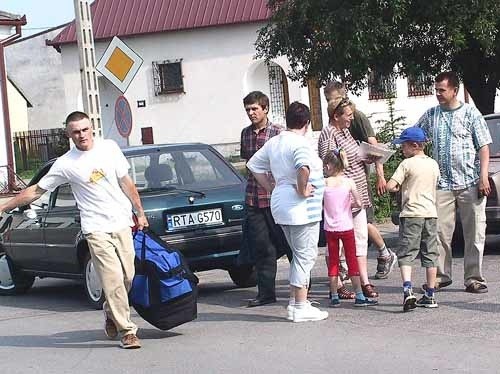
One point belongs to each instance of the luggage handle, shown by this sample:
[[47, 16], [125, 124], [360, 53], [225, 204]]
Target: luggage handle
[[174, 271], [177, 270], [143, 246]]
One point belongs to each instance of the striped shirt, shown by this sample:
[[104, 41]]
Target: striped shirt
[[331, 138], [456, 137], [251, 142], [283, 156]]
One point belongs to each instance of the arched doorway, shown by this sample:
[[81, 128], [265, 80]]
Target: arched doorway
[[278, 92], [270, 78]]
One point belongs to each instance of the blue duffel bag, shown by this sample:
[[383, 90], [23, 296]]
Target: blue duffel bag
[[164, 289]]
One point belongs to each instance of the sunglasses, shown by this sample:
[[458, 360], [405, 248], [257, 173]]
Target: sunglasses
[[344, 102]]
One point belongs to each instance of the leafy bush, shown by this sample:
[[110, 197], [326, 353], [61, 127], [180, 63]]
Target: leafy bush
[[388, 130]]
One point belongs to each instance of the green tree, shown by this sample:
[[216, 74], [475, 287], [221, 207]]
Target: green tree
[[390, 128], [342, 39]]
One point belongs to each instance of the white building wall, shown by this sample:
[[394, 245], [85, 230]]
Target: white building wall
[[218, 68], [36, 69], [18, 109]]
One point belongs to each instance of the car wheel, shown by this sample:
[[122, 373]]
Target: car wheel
[[92, 284], [12, 282], [243, 276]]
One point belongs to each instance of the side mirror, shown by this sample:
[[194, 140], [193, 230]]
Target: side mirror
[[30, 214]]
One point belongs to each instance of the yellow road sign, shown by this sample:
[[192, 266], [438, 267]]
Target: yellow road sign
[[119, 64]]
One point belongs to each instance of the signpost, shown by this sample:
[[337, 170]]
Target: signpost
[[123, 117], [85, 42], [119, 64]]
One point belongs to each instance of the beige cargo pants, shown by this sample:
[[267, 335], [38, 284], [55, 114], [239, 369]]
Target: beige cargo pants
[[113, 258]]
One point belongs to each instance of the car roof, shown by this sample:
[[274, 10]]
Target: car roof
[[134, 150], [140, 149], [492, 116]]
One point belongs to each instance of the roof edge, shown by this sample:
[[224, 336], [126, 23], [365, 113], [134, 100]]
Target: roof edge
[[57, 45], [41, 33], [21, 92]]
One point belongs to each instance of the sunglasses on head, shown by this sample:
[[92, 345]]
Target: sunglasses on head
[[342, 103]]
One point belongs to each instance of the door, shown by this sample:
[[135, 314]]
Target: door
[[61, 230], [25, 239], [147, 135]]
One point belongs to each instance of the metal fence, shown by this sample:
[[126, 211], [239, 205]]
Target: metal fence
[[34, 147], [10, 182]]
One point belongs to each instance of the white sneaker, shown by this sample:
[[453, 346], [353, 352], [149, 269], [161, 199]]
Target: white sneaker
[[291, 307], [308, 313], [289, 310]]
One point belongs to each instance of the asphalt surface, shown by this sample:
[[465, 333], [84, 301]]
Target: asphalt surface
[[52, 330]]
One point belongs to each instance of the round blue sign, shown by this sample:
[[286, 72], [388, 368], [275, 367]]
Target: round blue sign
[[123, 116]]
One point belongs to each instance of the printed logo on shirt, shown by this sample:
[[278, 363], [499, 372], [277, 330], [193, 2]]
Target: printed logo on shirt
[[96, 176]]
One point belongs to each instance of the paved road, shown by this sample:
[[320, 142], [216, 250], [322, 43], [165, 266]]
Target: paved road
[[51, 330]]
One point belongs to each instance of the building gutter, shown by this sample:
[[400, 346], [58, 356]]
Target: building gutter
[[3, 89]]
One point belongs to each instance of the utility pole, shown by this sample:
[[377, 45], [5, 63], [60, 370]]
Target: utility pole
[[88, 73], [7, 178]]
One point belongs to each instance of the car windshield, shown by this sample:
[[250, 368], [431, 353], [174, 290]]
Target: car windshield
[[180, 169], [494, 126]]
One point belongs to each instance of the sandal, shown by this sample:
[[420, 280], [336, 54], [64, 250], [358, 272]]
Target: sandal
[[369, 290], [438, 286], [345, 294], [476, 287]]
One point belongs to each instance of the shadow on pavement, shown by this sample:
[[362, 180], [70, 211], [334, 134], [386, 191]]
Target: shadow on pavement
[[63, 296], [77, 339], [250, 317]]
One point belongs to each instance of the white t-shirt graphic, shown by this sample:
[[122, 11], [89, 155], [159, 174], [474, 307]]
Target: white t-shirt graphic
[[93, 176]]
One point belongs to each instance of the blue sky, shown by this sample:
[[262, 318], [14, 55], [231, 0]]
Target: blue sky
[[40, 14]]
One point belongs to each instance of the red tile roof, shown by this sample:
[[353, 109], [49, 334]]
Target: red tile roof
[[134, 17]]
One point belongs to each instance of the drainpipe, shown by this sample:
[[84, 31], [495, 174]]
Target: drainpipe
[[3, 89]]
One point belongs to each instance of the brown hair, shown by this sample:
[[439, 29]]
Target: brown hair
[[256, 97], [336, 157], [334, 87], [297, 115], [75, 116], [449, 76]]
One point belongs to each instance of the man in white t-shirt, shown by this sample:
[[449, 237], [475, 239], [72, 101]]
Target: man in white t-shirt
[[97, 171]]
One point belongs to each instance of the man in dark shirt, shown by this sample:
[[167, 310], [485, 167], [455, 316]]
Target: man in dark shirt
[[264, 237], [362, 131]]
